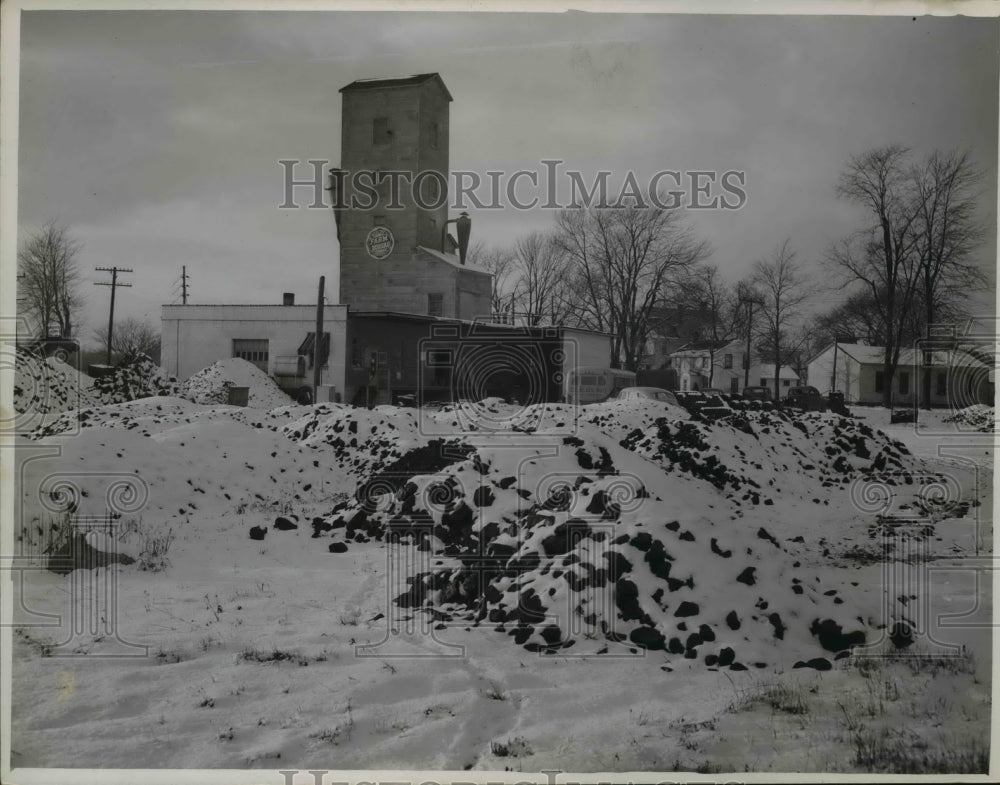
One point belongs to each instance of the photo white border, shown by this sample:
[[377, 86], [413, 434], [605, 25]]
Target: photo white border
[[9, 93]]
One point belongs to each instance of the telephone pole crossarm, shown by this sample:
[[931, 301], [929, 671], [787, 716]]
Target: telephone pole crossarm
[[114, 283]]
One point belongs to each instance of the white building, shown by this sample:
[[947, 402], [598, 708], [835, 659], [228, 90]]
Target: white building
[[957, 377], [278, 339], [722, 365]]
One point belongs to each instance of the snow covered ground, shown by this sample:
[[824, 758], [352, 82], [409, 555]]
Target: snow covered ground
[[614, 588]]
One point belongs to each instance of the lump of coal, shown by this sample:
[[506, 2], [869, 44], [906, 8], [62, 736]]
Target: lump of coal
[[832, 636]]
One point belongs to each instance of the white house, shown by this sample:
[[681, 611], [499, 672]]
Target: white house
[[722, 364], [957, 377]]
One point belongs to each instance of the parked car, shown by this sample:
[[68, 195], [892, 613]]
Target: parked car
[[648, 393], [808, 398], [715, 391], [835, 403], [757, 394]]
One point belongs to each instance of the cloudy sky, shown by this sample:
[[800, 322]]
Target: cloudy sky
[[156, 135]]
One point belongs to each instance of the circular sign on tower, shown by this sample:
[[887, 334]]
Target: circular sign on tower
[[379, 242]]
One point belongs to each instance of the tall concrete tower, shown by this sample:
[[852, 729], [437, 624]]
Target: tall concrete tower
[[395, 257]]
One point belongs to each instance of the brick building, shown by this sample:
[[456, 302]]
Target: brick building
[[401, 259]]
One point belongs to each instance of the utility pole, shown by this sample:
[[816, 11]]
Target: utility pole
[[317, 358], [833, 380], [184, 285], [114, 284], [746, 359]]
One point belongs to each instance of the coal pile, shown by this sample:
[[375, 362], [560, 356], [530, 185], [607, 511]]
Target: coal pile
[[752, 457], [135, 378], [979, 417], [358, 441], [593, 566]]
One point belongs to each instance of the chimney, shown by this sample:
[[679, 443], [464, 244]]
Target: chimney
[[288, 298]]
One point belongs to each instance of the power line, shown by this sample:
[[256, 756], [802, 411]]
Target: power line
[[114, 283]]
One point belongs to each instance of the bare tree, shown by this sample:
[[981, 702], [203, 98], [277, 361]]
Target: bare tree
[[132, 337], [858, 317], [883, 257], [622, 258], [783, 289], [49, 279], [706, 287], [541, 270], [499, 262], [946, 186]]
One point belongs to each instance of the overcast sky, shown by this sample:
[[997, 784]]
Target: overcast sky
[[155, 136]]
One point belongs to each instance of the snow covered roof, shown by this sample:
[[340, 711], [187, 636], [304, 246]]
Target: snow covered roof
[[767, 371], [874, 355], [452, 260]]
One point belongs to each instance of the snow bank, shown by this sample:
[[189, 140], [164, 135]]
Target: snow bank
[[49, 385], [210, 385]]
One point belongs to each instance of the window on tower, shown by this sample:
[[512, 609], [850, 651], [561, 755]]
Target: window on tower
[[434, 135], [380, 130]]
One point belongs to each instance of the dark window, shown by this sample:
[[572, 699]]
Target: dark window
[[763, 382], [727, 361], [357, 361], [879, 381], [380, 130], [734, 385], [435, 304], [434, 135], [942, 383], [904, 383], [254, 350], [786, 382]]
